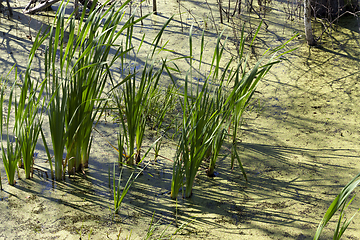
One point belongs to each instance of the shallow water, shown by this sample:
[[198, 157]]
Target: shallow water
[[299, 144]]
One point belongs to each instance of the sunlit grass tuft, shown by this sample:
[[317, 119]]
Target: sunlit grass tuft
[[211, 107], [77, 66]]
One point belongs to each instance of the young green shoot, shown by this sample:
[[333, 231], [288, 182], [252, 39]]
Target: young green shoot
[[10, 154], [119, 194]]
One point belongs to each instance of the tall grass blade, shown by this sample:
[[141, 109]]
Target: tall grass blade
[[48, 154]]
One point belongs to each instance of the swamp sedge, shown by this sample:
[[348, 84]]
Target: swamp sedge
[[197, 136], [201, 121], [132, 102], [208, 108], [89, 82], [132, 97], [191, 148]]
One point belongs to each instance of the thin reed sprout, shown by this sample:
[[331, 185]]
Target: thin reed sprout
[[118, 191], [150, 234], [118, 194], [10, 154]]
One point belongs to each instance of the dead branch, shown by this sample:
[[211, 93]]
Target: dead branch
[[8, 6], [330, 23], [47, 3], [42, 6]]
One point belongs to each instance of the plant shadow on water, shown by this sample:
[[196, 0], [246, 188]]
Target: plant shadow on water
[[17, 36], [229, 200]]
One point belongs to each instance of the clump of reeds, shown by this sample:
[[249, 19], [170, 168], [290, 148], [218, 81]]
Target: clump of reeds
[[210, 108], [134, 98], [28, 121], [28, 108], [28, 112], [245, 81], [77, 66], [132, 103], [202, 119]]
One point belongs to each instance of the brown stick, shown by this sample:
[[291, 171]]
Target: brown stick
[[40, 7], [8, 5], [47, 3], [220, 10], [9, 8], [76, 6], [154, 7]]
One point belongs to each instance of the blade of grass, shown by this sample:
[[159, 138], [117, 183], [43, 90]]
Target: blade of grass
[[336, 205]]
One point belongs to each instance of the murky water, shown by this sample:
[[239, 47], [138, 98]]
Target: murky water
[[299, 143]]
